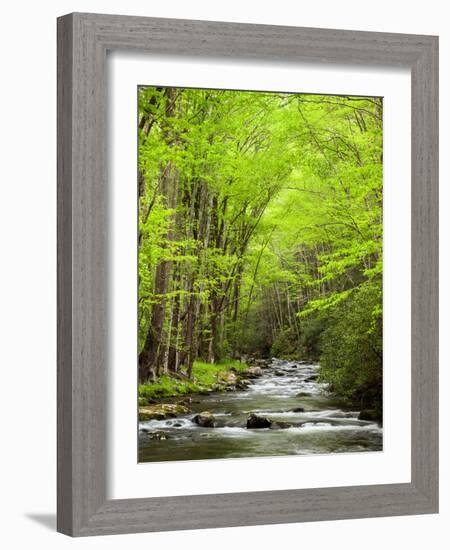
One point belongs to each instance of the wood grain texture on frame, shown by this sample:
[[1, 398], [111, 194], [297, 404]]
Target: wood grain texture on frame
[[83, 40]]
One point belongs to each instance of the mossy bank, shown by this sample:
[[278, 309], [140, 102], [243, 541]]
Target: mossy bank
[[206, 378]]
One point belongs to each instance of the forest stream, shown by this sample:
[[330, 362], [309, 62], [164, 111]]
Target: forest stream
[[288, 394]]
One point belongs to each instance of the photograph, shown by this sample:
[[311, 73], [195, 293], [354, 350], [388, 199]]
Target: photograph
[[260, 273]]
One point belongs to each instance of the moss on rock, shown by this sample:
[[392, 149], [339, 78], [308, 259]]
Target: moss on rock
[[162, 411]]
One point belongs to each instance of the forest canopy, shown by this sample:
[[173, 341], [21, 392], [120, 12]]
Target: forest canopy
[[260, 233]]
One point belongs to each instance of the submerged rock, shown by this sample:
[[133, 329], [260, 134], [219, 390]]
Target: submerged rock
[[258, 422], [157, 436], [162, 411], [242, 384], [304, 394], [186, 401], [279, 373], [205, 419], [279, 425], [298, 410]]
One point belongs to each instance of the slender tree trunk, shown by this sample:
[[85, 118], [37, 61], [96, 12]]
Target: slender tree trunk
[[152, 355]]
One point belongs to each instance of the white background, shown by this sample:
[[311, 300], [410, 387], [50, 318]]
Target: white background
[[28, 252], [130, 480]]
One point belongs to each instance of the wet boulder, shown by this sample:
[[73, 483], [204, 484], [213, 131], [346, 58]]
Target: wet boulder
[[228, 378], [312, 378], [255, 422], [279, 373], [304, 394], [205, 419], [162, 411], [298, 410], [254, 372]]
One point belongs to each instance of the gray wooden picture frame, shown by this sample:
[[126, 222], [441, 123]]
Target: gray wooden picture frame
[[83, 41]]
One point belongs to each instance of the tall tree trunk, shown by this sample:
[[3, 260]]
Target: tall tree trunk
[[152, 355]]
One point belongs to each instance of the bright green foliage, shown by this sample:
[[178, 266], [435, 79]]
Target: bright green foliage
[[204, 378], [260, 226], [352, 348]]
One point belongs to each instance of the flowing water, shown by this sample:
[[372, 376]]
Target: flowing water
[[323, 427]]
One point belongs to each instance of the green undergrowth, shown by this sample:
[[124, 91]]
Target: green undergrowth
[[204, 379]]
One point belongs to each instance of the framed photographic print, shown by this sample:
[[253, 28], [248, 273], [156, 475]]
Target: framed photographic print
[[260, 233], [247, 274]]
